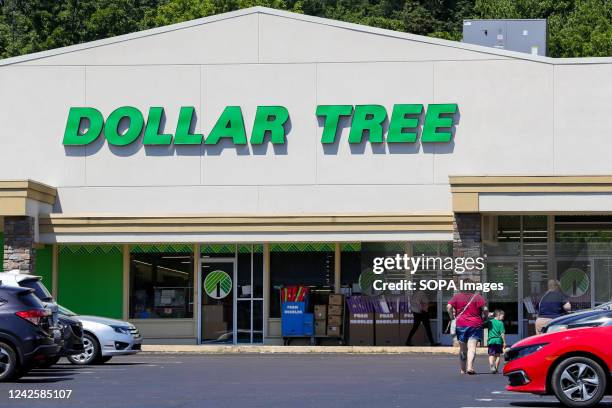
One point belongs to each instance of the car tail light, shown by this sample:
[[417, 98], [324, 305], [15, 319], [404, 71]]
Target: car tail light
[[34, 316]]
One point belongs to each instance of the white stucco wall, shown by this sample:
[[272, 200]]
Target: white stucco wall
[[518, 115]]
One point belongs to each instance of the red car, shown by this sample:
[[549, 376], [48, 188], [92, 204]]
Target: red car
[[574, 365]]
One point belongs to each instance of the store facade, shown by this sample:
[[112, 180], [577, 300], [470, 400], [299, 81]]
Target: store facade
[[180, 177]]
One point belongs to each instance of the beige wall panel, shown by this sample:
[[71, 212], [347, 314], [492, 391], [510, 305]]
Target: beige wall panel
[[165, 328], [505, 121], [158, 200], [342, 199], [583, 97], [34, 106]]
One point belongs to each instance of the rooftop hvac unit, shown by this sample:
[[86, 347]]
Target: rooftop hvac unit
[[528, 36]]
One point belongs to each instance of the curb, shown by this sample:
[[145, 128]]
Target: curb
[[230, 349]]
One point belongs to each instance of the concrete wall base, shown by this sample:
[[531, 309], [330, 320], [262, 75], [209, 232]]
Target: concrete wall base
[[266, 349]]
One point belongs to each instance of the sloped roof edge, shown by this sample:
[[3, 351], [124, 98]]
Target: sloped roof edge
[[301, 17]]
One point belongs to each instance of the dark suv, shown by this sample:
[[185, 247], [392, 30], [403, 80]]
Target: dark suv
[[67, 332], [25, 332]]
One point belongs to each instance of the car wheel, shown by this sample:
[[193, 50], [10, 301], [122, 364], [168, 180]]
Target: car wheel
[[8, 362], [103, 359], [90, 353], [48, 362], [579, 382]]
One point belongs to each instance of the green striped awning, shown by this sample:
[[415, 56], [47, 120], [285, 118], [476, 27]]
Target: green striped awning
[[89, 249]]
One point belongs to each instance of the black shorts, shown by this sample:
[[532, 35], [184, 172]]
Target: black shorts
[[495, 349]]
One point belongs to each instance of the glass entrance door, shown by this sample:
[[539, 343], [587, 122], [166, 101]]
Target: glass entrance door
[[218, 322], [506, 272], [249, 294]]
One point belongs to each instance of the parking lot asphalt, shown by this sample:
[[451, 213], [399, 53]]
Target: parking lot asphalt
[[280, 380]]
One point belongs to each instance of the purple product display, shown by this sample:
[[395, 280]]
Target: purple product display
[[386, 304], [359, 304], [394, 305], [380, 304], [399, 304]]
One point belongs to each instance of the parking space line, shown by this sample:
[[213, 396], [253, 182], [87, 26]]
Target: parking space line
[[110, 369]]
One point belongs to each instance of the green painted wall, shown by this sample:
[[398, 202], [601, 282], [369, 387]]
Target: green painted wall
[[44, 264], [90, 279]]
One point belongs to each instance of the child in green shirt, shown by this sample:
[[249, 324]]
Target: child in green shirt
[[496, 340]]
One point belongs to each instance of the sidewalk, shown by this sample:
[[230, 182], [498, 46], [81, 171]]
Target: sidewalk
[[263, 349]]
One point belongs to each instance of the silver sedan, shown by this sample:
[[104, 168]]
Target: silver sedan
[[104, 338]]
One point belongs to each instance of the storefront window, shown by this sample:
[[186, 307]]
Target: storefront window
[[581, 260], [307, 264], [313, 265], [161, 284], [502, 235], [350, 265], [583, 251], [583, 236], [357, 275]]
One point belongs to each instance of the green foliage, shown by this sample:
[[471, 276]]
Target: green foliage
[[176, 11], [35, 25], [584, 30], [577, 28]]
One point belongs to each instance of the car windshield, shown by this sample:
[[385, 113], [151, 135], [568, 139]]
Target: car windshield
[[39, 289], [65, 312]]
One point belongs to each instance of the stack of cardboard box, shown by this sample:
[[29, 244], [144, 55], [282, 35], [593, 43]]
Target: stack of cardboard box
[[335, 315], [386, 329], [320, 316]]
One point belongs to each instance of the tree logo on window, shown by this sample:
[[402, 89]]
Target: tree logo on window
[[218, 284], [366, 281], [574, 282]]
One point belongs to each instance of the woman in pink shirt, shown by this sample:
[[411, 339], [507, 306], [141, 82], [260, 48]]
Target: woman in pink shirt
[[468, 309]]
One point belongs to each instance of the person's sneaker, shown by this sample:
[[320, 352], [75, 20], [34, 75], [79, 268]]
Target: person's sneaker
[[493, 370]]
